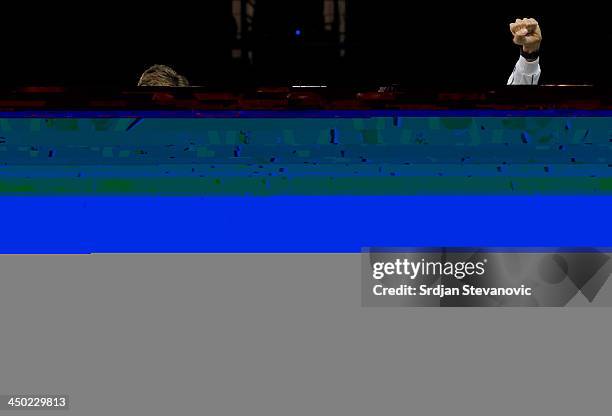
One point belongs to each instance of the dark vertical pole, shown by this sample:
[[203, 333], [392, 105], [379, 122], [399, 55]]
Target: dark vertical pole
[[336, 22], [244, 30]]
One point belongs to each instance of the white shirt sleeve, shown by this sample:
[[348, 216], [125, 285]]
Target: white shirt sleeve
[[525, 72]]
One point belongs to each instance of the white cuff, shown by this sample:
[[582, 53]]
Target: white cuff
[[526, 67]]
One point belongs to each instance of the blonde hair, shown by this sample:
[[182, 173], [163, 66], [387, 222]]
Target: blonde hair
[[162, 76]]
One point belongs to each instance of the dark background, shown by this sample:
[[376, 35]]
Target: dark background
[[100, 43]]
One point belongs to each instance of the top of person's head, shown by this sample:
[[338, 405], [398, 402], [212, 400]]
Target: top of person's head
[[162, 76]]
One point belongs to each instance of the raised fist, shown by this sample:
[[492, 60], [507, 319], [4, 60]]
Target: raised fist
[[527, 33]]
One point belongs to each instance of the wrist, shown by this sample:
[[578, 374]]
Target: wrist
[[530, 53], [534, 48]]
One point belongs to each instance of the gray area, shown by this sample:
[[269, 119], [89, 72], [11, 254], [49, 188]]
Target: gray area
[[281, 335]]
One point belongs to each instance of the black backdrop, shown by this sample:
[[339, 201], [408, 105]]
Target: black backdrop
[[100, 43]]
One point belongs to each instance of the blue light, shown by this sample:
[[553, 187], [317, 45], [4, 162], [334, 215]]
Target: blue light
[[299, 224], [298, 32]]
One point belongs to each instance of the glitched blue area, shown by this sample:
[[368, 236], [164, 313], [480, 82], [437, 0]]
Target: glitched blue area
[[333, 181], [298, 224], [310, 153], [338, 141]]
